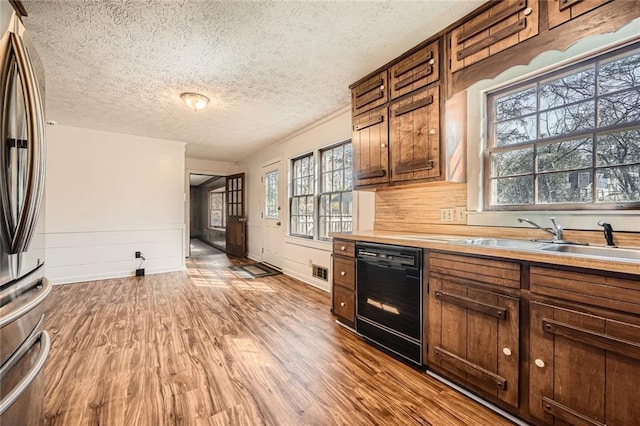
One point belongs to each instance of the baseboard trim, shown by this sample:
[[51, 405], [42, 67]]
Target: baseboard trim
[[306, 280], [111, 275]]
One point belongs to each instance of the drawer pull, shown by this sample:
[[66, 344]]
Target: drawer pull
[[342, 304], [368, 123], [494, 311], [372, 174], [369, 87], [603, 341], [539, 363], [567, 414], [492, 39], [413, 106], [432, 131], [491, 21], [472, 369], [506, 351], [343, 273], [565, 4], [343, 248], [383, 145]]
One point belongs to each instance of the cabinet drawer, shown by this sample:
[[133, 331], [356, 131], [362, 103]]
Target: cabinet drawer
[[344, 304], [561, 11], [415, 71], [369, 94], [597, 290], [484, 271], [502, 26], [414, 135], [344, 248], [344, 273]]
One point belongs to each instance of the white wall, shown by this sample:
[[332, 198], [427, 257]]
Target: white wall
[[107, 196], [300, 253]]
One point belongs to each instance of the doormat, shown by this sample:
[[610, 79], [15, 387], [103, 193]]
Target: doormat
[[254, 270]]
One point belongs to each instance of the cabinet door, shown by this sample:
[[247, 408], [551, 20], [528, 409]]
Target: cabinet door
[[415, 71], [474, 335], [369, 94], [370, 148], [561, 11], [504, 25], [415, 136], [583, 368]]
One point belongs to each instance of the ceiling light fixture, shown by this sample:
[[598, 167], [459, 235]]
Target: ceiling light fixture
[[195, 101]]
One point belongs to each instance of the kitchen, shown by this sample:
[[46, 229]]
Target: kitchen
[[444, 199]]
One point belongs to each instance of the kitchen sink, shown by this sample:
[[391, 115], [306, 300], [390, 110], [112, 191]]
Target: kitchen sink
[[504, 243], [602, 252]]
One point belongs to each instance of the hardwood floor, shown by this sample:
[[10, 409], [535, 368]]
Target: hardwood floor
[[206, 347]]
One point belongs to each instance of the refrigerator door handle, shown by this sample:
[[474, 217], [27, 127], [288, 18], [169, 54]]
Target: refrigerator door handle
[[17, 229], [23, 309], [45, 345]]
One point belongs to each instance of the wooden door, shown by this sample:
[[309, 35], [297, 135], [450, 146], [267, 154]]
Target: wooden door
[[500, 27], [473, 334], [414, 136], [236, 219], [583, 368], [561, 11], [371, 148]]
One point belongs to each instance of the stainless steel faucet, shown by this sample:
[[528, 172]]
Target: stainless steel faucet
[[556, 231]]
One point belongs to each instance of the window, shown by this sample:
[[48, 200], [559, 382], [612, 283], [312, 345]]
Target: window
[[271, 208], [336, 185], [303, 185], [216, 209], [569, 139], [321, 197]]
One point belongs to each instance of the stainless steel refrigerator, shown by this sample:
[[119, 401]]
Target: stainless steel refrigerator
[[24, 345]]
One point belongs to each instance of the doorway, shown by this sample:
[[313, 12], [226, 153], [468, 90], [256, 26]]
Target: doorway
[[272, 229], [207, 224]]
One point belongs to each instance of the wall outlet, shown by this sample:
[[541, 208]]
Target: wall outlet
[[446, 215], [137, 255], [140, 272], [460, 214]]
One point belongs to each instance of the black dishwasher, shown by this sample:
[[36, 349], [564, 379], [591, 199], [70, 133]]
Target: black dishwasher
[[389, 305]]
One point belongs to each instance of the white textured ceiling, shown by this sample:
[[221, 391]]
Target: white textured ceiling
[[270, 68]]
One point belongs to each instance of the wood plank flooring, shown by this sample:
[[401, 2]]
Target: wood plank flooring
[[206, 347]]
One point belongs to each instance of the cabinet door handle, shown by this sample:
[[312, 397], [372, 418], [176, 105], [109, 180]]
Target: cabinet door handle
[[342, 304], [343, 273], [506, 351], [343, 248], [593, 338], [539, 363]]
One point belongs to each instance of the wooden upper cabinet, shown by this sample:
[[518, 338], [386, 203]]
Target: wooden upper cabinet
[[561, 11], [502, 26], [371, 148], [583, 368], [369, 94], [414, 136], [415, 71]]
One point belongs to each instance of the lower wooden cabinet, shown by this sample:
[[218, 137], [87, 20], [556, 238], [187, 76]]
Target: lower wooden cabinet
[[583, 368], [343, 297], [474, 335]]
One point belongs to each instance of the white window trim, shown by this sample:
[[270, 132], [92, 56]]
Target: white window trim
[[622, 220]]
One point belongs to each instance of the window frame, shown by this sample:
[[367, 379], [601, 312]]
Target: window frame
[[222, 209], [322, 192], [294, 195], [536, 81]]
